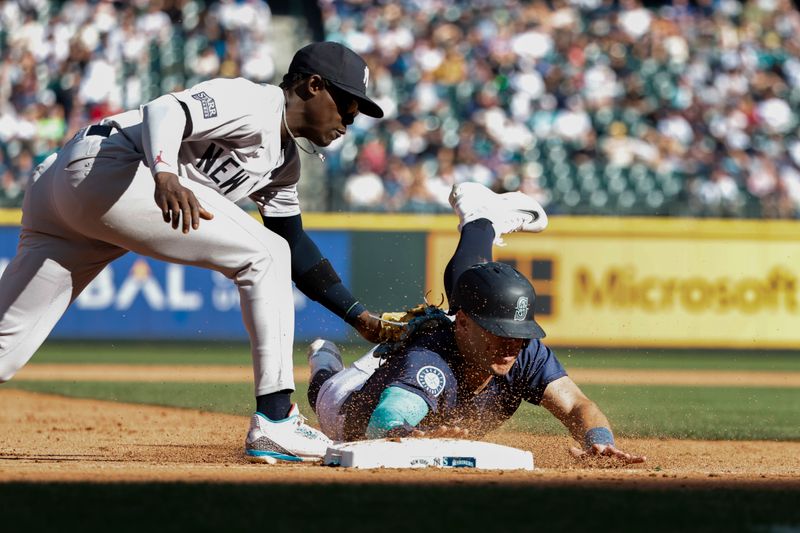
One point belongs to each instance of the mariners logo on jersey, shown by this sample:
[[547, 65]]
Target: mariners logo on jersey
[[431, 379], [522, 309], [208, 103]]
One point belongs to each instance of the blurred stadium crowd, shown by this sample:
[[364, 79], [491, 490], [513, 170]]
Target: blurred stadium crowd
[[67, 64], [592, 106]]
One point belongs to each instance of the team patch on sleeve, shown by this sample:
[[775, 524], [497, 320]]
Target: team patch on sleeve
[[431, 379], [208, 103]]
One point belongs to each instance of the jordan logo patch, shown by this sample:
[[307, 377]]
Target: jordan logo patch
[[208, 103], [159, 159]]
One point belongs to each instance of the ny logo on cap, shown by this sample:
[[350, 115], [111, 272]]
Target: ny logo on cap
[[522, 309], [366, 77]]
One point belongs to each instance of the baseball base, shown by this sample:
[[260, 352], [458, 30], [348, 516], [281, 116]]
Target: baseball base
[[422, 453]]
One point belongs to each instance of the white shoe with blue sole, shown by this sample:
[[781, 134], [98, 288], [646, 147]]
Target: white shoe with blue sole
[[287, 440]]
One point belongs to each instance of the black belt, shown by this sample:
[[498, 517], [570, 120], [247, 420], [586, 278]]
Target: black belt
[[102, 131]]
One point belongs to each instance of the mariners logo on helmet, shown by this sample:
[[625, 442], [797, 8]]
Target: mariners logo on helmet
[[522, 309], [431, 379]]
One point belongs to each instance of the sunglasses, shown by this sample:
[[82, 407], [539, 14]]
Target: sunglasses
[[345, 101]]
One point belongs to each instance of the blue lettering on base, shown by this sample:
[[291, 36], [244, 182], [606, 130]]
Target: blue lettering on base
[[459, 462]]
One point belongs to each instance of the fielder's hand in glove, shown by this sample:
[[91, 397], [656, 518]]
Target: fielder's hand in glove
[[176, 202], [606, 450], [369, 327], [395, 326]]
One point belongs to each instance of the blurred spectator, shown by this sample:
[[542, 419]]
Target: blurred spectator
[[594, 107], [67, 64]]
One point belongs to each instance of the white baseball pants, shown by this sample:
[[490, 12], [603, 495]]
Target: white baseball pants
[[337, 389], [82, 212]]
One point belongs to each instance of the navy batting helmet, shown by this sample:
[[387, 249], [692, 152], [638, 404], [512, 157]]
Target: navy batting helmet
[[499, 299]]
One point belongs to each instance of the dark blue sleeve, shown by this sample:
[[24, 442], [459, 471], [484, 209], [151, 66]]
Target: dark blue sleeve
[[305, 253], [425, 373], [309, 266], [537, 367]]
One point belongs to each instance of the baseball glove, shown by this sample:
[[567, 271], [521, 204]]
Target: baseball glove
[[399, 326]]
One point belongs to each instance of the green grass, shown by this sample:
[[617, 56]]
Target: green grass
[[173, 507], [144, 353], [663, 411], [237, 353], [231, 398], [776, 361], [719, 413], [166, 353]]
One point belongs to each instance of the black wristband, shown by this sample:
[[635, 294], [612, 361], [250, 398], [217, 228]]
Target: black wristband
[[354, 311]]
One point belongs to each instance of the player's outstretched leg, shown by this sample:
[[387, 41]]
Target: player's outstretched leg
[[113, 203], [484, 216], [324, 361], [474, 246], [36, 288], [508, 212]]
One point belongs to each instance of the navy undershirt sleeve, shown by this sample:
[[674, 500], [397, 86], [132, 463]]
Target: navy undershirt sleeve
[[305, 253], [305, 256]]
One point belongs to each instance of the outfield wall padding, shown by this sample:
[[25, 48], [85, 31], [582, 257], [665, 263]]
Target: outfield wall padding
[[609, 282]]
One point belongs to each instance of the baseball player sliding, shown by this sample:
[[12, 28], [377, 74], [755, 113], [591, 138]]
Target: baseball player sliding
[[197, 152], [465, 374]]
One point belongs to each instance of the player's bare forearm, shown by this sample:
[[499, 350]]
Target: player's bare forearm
[[584, 416], [585, 421], [572, 408]]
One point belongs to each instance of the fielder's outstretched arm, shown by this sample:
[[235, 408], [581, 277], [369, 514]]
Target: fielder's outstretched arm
[[315, 277], [584, 420]]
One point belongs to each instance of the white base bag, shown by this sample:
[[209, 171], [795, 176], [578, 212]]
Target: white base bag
[[422, 453]]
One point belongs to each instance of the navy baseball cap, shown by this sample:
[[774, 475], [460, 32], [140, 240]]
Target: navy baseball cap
[[341, 67], [499, 299]]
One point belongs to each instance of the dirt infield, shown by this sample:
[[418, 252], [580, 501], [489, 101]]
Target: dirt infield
[[52, 438]]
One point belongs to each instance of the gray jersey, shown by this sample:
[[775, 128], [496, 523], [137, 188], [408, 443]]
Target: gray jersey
[[235, 143]]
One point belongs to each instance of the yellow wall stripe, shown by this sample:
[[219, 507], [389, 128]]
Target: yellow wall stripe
[[652, 227]]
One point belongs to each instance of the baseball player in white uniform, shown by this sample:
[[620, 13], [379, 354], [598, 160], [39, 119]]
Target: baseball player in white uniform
[[197, 152]]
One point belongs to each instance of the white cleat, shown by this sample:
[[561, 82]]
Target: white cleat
[[324, 355], [290, 440], [508, 213], [469, 202], [536, 218]]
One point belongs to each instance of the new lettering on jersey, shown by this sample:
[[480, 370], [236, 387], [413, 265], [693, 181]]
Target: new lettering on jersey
[[235, 144]]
